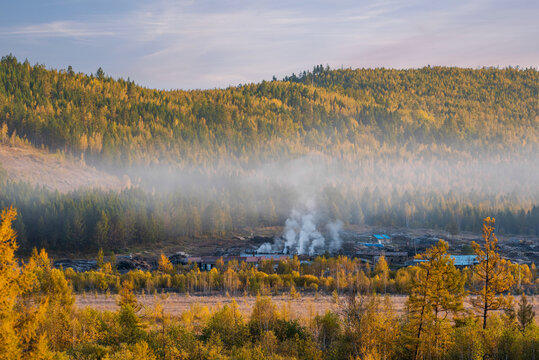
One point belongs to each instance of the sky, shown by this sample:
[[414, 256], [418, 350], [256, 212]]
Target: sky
[[212, 44]]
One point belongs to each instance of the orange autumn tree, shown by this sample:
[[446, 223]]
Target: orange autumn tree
[[165, 265], [493, 272], [20, 320]]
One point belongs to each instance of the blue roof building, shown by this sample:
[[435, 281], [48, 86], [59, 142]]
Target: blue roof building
[[458, 260], [374, 245], [381, 238], [464, 260]]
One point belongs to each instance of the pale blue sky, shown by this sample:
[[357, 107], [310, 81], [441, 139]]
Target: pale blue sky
[[207, 44]]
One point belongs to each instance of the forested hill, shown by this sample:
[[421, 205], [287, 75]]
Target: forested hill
[[343, 113], [435, 121]]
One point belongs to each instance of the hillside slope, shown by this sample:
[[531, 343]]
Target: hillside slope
[[53, 171]]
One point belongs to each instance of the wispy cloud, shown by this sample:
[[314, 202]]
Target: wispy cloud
[[216, 43], [59, 29]]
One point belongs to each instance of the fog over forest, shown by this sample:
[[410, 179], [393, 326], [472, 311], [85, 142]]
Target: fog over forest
[[308, 207], [436, 147]]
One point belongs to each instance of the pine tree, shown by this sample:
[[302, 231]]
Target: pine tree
[[102, 229], [127, 315], [493, 272], [100, 259]]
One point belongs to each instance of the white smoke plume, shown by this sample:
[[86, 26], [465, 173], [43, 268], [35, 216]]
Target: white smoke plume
[[300, 236], [334, 228], [265, 248]]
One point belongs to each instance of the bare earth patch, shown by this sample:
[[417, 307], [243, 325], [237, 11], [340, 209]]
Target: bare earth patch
[[56, 172]]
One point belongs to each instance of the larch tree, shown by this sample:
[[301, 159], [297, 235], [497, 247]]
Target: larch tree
[[228, 324], [494, 274], [436, 292], [52, 289], [126, 296], [382, 270], [20, 319], [10, 285], [370, 326], [165, 265]]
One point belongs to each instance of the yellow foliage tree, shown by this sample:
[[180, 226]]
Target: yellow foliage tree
[[382, 270], [165, 265], [53, 289], [437, 291], [370, 326], [494, 274], [126, 296], [20, 319]]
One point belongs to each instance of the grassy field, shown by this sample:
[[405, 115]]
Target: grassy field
[[175, 304]]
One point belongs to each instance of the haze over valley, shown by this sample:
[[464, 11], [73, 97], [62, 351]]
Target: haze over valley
[[269, 180], [429, 148]]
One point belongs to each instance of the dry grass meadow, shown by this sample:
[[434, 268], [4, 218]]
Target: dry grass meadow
[[175, 304]]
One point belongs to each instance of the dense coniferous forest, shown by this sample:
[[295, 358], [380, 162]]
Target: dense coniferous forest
[[87, 220], [377, 119]]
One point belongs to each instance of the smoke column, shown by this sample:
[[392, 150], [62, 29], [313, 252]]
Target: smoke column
[[300, 236], [334, 228]]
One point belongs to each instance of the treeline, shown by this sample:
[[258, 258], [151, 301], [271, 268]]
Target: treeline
[[342, 113], [39, 319], [325, 275], [86, 220]]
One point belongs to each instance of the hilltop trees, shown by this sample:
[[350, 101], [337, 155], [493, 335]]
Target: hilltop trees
[[493, 272], [348, 112]]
